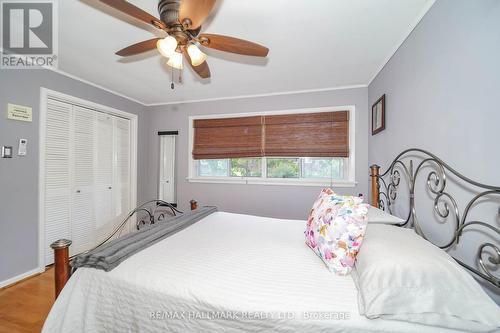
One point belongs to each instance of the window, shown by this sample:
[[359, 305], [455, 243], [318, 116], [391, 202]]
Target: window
[[213, 168], [233, 167], [246, 167], [323, 168], [275, 168], [283, 167], [296, 148]]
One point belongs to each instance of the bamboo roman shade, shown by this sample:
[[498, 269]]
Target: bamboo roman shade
[[324, 134], [227, 137]]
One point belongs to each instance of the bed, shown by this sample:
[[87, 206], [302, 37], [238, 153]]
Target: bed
[[230, 273]]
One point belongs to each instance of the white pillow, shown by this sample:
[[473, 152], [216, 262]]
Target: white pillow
[[376, 215], [401, 276]]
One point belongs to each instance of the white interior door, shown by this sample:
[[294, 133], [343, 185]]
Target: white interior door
[[122, 203], [167, 169], [104, 173], [57, 177], [83, 213]]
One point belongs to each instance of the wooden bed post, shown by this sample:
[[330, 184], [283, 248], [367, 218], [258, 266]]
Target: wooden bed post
[[194, 204], [374, 174], [61, 263]]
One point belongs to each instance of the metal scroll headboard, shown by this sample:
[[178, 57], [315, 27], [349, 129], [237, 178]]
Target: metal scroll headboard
[[152, 211], [409, 166]]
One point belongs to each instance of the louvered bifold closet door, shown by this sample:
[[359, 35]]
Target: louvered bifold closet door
[[104, 175], [122, 204], [86, 175], [83, 210], [57, 214]]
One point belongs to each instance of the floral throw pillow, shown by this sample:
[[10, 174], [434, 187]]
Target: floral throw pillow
[[335, 229]]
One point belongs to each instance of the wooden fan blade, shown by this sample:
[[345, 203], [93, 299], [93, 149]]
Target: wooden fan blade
[[233, 45], [138, 47], [129, 9], [196, 11], [202, 70]]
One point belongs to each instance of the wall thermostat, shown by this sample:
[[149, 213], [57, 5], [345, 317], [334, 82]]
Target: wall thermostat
[[22, 147], [7, 152]]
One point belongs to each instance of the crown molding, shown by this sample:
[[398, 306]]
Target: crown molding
[[111, 91], [90, 83], [292, 92], [282, 93]]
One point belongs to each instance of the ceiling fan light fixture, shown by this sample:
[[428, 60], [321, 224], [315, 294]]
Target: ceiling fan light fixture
[[175, 61], [181, 22], [197, 57], [167, 46]]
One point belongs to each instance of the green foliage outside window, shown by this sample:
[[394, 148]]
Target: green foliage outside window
[[299, 167], [246, 167], [283, 168]]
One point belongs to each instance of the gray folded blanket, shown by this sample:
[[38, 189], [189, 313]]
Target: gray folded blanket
[[111, 254]]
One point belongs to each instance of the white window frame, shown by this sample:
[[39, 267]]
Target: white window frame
[[351, 169]]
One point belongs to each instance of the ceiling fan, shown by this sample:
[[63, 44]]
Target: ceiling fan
[[182, 20]]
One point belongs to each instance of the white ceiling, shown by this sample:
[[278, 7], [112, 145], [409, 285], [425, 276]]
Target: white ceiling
[[315, 44]]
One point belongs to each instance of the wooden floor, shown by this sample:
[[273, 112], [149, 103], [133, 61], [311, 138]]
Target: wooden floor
[[24, 306]]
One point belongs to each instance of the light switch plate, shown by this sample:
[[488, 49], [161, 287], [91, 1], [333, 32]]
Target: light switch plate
[[7, 152], [22, 147]]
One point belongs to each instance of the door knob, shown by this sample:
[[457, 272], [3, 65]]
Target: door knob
[[78, 191]]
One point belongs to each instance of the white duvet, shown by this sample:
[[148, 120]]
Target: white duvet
[[226, 273]]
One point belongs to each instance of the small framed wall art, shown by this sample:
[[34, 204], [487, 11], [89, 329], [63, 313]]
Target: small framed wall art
[[378, 115]]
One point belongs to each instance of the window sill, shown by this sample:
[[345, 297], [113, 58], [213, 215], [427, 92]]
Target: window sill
[[260, 181]]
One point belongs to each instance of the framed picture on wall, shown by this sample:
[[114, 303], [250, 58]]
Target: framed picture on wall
[[378, 115]]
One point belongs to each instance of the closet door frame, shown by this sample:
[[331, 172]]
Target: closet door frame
[[45, 94]]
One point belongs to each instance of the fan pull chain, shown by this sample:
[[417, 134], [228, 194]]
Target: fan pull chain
[[172, 85]]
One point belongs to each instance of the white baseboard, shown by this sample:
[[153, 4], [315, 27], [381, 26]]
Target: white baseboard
[[19, 277]]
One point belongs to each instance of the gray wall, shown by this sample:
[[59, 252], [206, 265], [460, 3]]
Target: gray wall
[[265, 200], [19, 175], [442, 89]]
